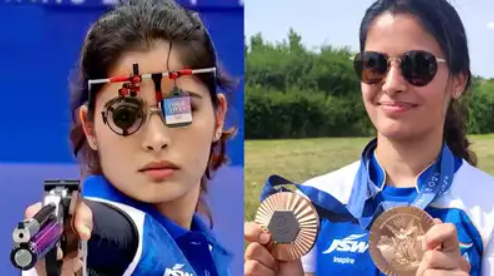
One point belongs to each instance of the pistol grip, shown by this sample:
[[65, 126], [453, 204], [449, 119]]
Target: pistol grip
[[53, 266]]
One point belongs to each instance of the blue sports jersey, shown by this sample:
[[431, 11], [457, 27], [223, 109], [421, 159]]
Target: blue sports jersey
[[164, 248], [342, 245]]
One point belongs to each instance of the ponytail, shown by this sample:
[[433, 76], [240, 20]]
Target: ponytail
[[455, 132]]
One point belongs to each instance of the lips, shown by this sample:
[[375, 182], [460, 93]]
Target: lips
[[159, 170], [396, 107], [397, 104], [159, 165]]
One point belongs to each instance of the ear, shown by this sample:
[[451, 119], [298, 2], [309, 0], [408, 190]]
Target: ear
[[220, 116], [459, 84], [87, 127]]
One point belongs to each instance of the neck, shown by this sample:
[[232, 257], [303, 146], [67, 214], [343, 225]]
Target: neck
[[181, 210], [403, 161]]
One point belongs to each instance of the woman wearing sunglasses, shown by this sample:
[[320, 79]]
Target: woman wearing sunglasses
[[148, 132], [414, 67]]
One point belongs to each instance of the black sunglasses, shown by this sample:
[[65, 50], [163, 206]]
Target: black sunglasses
[[417, 67]]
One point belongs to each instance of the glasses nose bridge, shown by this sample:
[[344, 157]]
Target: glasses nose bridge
[[394, 77], [156, 135], [152, 110], [396, 60], [155, 110]]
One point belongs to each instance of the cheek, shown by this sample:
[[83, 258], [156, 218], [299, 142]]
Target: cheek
[[196, 140], [434, 99], [112, 147], [368, 96], [369, 91]]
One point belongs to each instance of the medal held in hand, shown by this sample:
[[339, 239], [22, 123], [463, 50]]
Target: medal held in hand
[[396, 240], [293, 223], [397, 229]]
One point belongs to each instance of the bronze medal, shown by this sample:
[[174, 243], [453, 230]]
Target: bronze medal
[[396, 240], [293, 223]]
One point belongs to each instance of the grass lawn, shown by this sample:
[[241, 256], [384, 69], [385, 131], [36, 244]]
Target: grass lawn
[[299, 160]]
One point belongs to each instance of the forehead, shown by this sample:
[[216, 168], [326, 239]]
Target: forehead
[[154, 60], [396, 34]]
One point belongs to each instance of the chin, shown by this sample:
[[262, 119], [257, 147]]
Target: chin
[[162, 195], [397, 131], [152, 194]]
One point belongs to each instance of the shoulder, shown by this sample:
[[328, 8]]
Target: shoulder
[[136, 215], [472, 192], [338, 183], [471, 183]]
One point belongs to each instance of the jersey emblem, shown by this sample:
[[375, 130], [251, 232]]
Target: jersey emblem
[[348, 244]]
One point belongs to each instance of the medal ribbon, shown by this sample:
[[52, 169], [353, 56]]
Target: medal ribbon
[[362, 205], [364, 190], [320, 199]]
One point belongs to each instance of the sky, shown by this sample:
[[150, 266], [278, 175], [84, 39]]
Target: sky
[[336, 22]]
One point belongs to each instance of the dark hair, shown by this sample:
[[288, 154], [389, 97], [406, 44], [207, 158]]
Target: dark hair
[[441, 20], [136, 25]]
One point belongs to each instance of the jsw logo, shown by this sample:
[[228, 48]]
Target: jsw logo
[[348, 244], [177, 271]]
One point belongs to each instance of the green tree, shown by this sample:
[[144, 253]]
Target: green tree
[[295, 92]]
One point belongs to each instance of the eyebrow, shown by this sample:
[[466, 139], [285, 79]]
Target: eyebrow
[[194, 94]]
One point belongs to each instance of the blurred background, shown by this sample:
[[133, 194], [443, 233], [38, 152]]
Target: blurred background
[[304, 114], [39, 44]]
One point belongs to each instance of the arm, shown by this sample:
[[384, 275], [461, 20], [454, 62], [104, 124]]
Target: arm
[[114, 240]]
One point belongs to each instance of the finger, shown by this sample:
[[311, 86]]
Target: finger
[[255, 251], [437, 221], [59, 254], [444, 235], [32, 210], [253, 232], [73, 254], [40, 268], [440, 260], [83, 221], [70, 266], [440, 272], [76, 265], [255, 268], [465, 265], [291, 268]]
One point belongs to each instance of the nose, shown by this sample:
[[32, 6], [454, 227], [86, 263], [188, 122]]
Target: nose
[[394, 81], [156, 135]]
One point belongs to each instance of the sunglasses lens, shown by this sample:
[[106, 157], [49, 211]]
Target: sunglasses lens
[[125, 116], [419, 67], [371, 67]]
